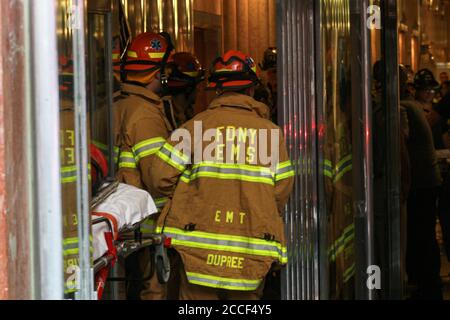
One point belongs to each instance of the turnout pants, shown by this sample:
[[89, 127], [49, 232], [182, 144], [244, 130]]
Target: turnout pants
[[190, 291], [423, 256], [152, 289]]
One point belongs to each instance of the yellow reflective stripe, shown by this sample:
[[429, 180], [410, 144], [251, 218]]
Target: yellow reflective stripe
[[285, 175], [169, 155], [224, 70], [328, 174], [168, 160], [328, 169], [148, 226], [223, 283], [69, 174], [156, 55], [192, 74], [177, 153], [161, 202], [237, 244], [342, 242], [284, 170], [70, 240], [73, 285], [344, 165], [232, 172], [149, 142], [284, 164], [132, 54], [343, 172], [148, 147], [186, 176], [245, 167], [221, 237], [349, 273], [227, 176], [344, 160], [127, 160]]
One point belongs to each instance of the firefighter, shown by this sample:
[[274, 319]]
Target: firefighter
[[143, 122], [225, 213], [422, 256], [267, 92], [184, 72]]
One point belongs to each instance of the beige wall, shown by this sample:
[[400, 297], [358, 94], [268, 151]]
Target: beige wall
[[209, 6], [247, 25], [434, 32]]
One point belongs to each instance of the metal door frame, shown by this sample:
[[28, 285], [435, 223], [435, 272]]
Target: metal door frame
[[391, 102], [299, 23], [299, 119], [362, 147]]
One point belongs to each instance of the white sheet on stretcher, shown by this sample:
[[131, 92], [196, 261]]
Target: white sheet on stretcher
[[129, 205]]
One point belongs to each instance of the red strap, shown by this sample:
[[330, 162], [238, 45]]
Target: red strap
[[112, 250], [111, 218], [100, 280]]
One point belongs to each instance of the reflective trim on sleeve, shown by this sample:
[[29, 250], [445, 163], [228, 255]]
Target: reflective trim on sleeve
[[148, 147], [284, 170], [173, 157], [127, 160], [349, 273], [186, 176], [161, 202], [328, 169], [222, 283], [342, 242], [343, 166], [229, 243], [148, 226]]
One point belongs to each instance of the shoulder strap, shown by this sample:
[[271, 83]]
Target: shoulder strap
[[168, 111]]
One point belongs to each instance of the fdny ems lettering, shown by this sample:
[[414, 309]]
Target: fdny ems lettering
[[67, 147], [228, 217], [225, 261], [236, 139]]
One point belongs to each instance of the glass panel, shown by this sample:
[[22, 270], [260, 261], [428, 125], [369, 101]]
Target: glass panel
[[73, 146], [336, 60], [67, 142], [100, 86]]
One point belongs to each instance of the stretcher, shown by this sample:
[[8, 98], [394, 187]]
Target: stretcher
[[117, 213]]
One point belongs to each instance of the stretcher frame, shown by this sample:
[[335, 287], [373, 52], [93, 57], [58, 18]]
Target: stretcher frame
[[130, 240]]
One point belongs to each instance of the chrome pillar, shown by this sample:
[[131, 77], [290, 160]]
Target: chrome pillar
[[393, 286], [298, 117], [86, 280], [46, 114], [362, 146]]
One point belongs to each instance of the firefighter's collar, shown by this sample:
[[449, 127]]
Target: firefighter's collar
[[242, 101], [140, 91]]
